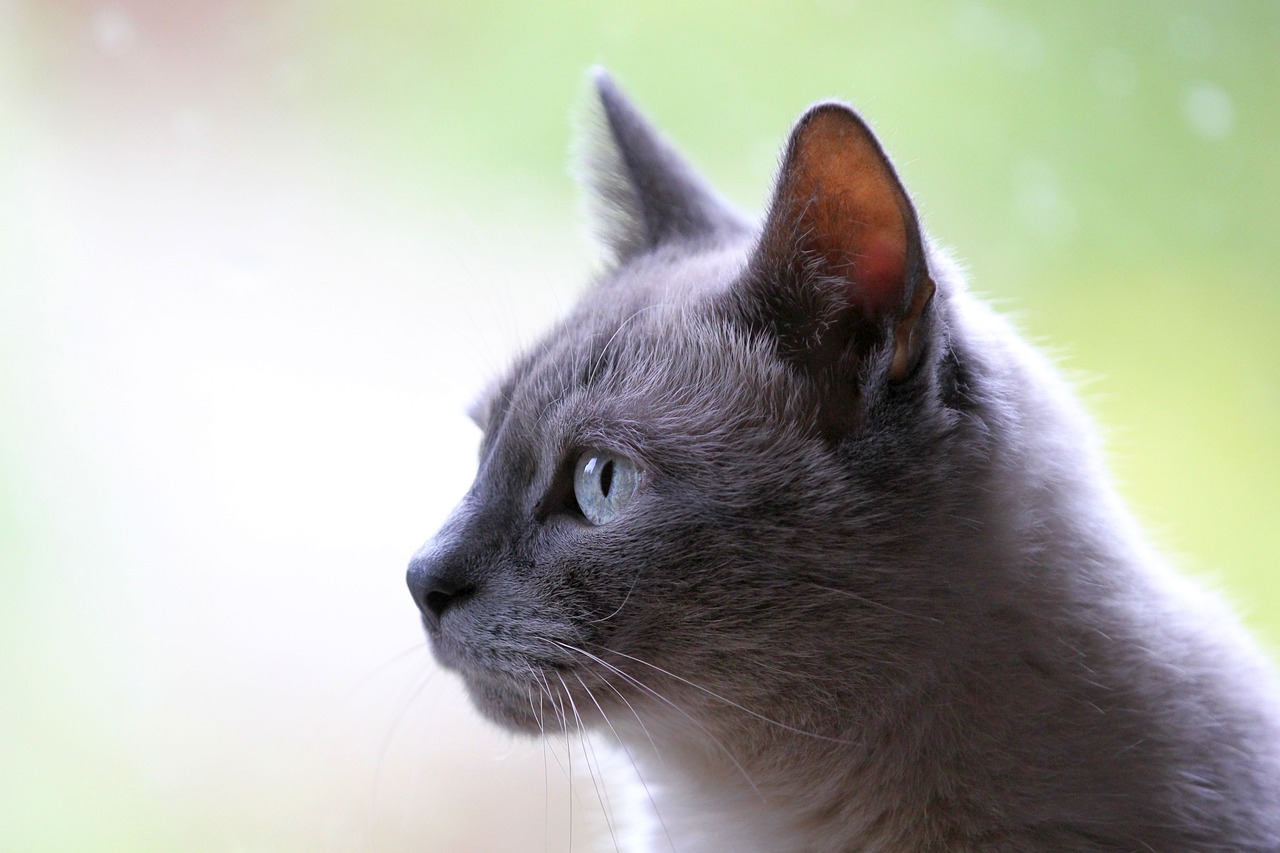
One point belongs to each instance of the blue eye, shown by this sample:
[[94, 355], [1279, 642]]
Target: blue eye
[[603, 484]]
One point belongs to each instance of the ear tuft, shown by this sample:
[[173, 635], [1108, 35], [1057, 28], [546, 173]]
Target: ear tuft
[[641, 194]]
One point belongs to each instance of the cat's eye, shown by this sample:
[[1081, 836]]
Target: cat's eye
[[603, 483]]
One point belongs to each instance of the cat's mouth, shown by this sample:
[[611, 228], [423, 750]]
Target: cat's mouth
[[517, 692]]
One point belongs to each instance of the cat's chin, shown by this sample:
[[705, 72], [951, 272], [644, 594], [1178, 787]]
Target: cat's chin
[[508, 705]]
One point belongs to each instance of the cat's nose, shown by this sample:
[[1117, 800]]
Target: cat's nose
[[435, 587]]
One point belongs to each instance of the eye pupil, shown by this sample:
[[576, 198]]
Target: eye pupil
[[606, 478]]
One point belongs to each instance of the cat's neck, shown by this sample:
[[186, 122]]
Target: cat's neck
[[809, 795], [826, 766]]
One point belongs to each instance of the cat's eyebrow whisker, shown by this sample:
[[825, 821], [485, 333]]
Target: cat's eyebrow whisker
[[870, 602], [588, 752], [591, 377], [626, 751], [728, 701], [625, 599], [654, 693]]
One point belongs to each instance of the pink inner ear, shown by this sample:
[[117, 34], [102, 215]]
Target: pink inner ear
[[878, 272]]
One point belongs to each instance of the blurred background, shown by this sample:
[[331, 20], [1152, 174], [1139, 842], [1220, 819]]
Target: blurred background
[[256, 257]]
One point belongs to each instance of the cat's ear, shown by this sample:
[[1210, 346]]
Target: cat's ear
[[840, 275], [642, 194]]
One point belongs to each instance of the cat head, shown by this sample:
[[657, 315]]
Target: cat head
[[706, 482]]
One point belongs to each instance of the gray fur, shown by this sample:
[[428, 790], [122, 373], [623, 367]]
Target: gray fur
[[933, 629]]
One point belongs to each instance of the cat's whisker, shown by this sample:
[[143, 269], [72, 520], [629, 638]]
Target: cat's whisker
[[728, 701], [870, 602], [546, 775], [652, 744], [545, 687], [568, 752], [558, 703], [396, 659], [625, 599], [626, 751], [331, 716], [622, 697], [654, 693], [595, 368], [546, 780], [588, 753], [424, 680], [532, 710]]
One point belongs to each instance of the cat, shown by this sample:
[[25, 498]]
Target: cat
[[828, 550]]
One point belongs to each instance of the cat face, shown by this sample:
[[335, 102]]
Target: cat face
[[696, 466]]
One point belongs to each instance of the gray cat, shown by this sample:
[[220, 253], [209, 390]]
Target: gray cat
[[828, 549]]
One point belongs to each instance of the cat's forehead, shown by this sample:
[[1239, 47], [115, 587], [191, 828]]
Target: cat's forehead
[[620, 326], [675, 276]]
